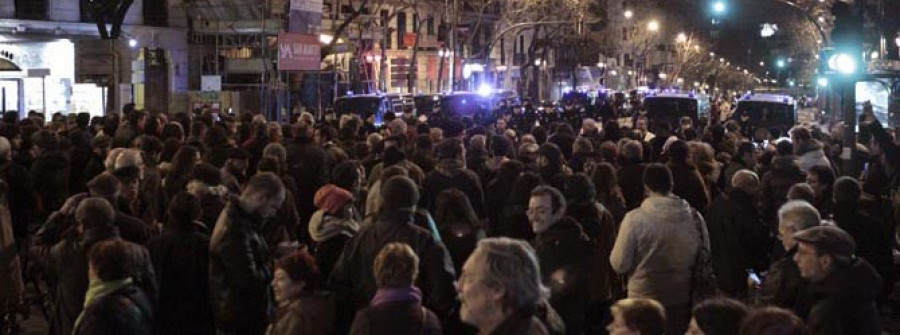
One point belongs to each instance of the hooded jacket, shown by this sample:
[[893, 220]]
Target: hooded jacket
[[453, 174], [656, 248], [844, 302], [811, 155]]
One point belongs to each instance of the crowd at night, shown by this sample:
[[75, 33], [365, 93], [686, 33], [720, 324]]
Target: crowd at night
[[206, 223]]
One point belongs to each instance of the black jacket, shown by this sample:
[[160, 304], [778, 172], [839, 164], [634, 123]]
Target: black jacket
[[631, 181], [844, 302], [23, 200], [783, 174], [50, 173], [307, 164], [354, 281], [239, 274], [689, 185], [461, 178], [181, 260], [738, 240], [868, 233], [126, 311], [565, 254], [783, 285], [398, 317]]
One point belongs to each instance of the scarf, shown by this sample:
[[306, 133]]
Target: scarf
[[323, 226], [97, 289], [391, 294]]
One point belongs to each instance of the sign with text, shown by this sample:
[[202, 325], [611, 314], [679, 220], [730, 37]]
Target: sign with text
[[298, 52]]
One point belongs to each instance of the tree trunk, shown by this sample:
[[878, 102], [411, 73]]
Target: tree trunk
[[414, 64]]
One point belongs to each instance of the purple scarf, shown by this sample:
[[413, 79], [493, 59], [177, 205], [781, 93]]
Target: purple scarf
[[392, 294]]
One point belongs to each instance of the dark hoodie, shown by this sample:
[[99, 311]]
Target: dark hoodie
[[844, 302], [451, 173]]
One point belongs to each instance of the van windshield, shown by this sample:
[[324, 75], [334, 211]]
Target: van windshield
[[765, 114], [670, 109], [362, 106]]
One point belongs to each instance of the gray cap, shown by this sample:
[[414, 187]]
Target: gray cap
[[828, 239]]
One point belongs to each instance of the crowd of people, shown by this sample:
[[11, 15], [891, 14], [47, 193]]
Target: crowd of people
[[205, 223]]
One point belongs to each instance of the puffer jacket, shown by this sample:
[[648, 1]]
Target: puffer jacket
[[239, 274], [656, 248]]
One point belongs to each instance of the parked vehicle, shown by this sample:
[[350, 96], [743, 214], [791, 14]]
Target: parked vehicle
[[671, 107], [366, 105], [758, 113]]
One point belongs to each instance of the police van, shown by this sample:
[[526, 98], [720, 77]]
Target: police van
[[763, 115], [670, 107]]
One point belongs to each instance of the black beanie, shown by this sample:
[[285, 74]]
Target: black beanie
[[399, 192]]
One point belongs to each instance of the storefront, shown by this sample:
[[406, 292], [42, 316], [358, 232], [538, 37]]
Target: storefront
[[45, 80]]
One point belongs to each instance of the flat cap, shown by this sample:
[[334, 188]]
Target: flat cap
[[828, 239]]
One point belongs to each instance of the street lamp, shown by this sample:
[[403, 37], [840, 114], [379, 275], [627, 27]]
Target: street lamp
[[653, 26], [681, 38], [629, 14], [132, 42], [780, 63], [719, 7]]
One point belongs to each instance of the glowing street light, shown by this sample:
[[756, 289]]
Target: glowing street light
[[132, 43], [629, 14], [653, 25], [780, 63], [681, 38], [719, 7]]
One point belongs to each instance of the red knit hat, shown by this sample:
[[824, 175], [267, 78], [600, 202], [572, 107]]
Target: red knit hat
[[331, 198]]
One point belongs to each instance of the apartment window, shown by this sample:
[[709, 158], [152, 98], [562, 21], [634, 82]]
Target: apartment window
[[429, 26], [415, 23], [401, 28], [156, 13], [624, 34], [521, 47], [385, 23], [31, 9]]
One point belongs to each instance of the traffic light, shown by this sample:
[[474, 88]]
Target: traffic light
[[845, 58]]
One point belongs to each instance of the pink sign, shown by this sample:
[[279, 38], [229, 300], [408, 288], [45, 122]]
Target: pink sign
[[299, 52]]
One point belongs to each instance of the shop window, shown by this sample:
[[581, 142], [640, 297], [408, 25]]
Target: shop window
[[31, 9], [156, 13]]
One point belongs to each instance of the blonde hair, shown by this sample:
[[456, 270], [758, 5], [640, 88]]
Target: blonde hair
[[396, 265]]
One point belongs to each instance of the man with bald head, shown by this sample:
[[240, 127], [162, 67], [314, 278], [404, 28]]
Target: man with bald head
[[737, 235]]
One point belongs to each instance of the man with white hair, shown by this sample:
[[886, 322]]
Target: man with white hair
[[737, 235], [782, 286], [500, 288]]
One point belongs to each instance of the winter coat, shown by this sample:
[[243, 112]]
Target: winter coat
[[600, 227], [734, 167], [11, 286], [450, 174], [566, 255], [307, 164], [631, 181], [66, 269], [212, 202], [330, 233], [398, 317], [460, 238], [689, 185], [133, 229], [126, 311], [181, 259], [239, 273], [354, 281], [868, 233], [25, 200], [844, 301], [776, 182], [311, 314], [521, 323], [812, 154], [782, 285], [656, 248], [514, 222], [738, 240], [50, 174]]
